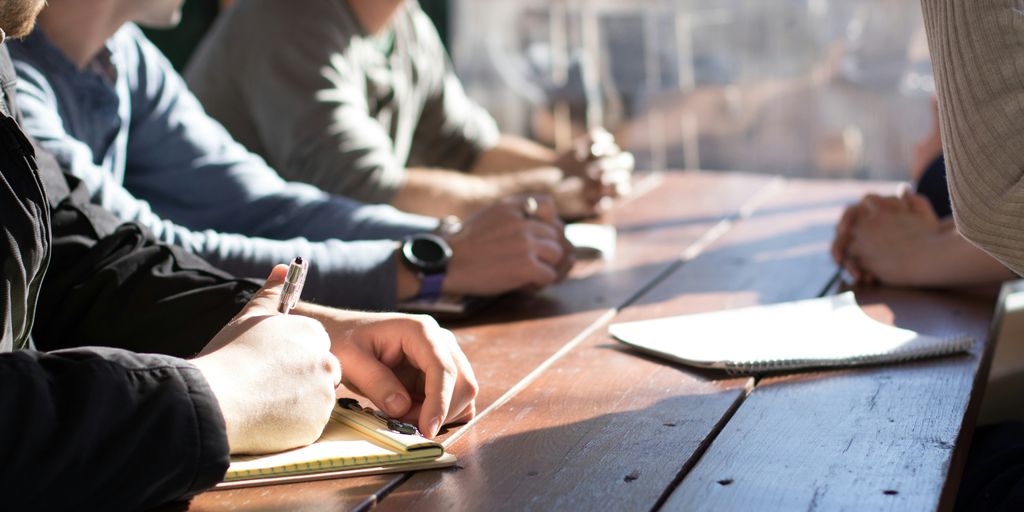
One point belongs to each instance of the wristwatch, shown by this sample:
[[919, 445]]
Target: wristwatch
[[428, 256]]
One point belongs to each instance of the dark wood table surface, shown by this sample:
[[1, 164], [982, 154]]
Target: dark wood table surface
[[570, 420]]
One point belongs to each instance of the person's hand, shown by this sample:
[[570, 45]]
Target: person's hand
[[504, 248], [273, 375], [844, 231], [891, 239], [596, 170], [407, 365]]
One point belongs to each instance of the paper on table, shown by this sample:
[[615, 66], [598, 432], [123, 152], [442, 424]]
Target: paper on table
[[592, 240], [343, 441], [830, 331]]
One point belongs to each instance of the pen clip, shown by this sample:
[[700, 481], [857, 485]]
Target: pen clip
[[293, 283], [399, 427]]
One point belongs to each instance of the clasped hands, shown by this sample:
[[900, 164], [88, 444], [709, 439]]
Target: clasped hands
[[887, 239], [596, 170]]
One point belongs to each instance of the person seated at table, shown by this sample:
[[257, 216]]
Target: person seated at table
[[911, 239], [978, 81], [108, 105], [358, 97], [118, 419]]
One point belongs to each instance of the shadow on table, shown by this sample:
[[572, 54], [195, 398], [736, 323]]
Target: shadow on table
[[611, 461]]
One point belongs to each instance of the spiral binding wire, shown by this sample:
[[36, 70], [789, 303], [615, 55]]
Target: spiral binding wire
[[949, 345]]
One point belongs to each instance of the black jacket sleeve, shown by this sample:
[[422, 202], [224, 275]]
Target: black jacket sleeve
[[105, 429], [99, 428], [111, 284]]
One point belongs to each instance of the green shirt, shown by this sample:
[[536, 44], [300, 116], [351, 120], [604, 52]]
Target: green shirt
[[302, 84]]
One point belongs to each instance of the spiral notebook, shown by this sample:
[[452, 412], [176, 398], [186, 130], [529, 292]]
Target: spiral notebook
[[827, 332], [353, 444]]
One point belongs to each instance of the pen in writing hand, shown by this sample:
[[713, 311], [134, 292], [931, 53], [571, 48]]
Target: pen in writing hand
[[293, 282]]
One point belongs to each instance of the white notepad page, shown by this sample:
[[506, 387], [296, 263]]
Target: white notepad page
[[830, 331]]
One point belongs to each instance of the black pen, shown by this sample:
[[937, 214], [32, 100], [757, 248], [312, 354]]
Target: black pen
[[293, 282]]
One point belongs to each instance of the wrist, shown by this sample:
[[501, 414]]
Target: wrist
[[221, 389], [926, 266], [426, 256], [407, 282]]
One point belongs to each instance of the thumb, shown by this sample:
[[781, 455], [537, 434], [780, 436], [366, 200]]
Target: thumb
[[265, 301]]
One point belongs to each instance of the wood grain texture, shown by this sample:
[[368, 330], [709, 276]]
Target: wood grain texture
[[879, 438], [516, 334], [606, 429]]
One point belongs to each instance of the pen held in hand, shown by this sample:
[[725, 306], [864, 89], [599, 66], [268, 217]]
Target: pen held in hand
[[293, 282]]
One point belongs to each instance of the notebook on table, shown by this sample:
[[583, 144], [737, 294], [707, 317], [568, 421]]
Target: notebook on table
[[827, 332], [354, 443]]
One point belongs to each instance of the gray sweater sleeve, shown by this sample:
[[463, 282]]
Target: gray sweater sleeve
[[319, 108], [300, 102], [977, 49], [453, 130]]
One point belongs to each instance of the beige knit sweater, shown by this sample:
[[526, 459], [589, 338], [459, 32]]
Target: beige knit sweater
[[977, 49]]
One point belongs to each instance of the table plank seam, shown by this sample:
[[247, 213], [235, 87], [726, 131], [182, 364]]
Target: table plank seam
[[954, 473], [703, 447], [533, 375], [746, 212], [372, 500]]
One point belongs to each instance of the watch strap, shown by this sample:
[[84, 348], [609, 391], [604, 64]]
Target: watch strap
[[430, 286]]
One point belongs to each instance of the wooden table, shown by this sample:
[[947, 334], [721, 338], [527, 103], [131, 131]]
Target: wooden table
[[570, 420]]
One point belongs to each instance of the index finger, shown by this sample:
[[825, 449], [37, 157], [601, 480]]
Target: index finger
[[440, 374]]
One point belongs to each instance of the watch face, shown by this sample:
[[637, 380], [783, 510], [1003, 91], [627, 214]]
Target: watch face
[[428, 253]]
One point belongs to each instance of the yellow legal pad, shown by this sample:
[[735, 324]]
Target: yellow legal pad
[[353, 443]]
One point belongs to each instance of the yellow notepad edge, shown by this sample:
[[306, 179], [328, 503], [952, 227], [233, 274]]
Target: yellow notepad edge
[[410, 449]]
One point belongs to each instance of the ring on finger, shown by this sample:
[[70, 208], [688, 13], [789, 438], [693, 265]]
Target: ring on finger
[[530, 207]]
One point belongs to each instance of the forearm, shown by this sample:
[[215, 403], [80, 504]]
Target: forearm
[[513, 154], [336, 316], [108, 429], [949, 260], [976, 48], [437, 192]]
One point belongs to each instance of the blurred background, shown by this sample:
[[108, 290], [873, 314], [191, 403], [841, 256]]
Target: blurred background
[[810, 88]]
